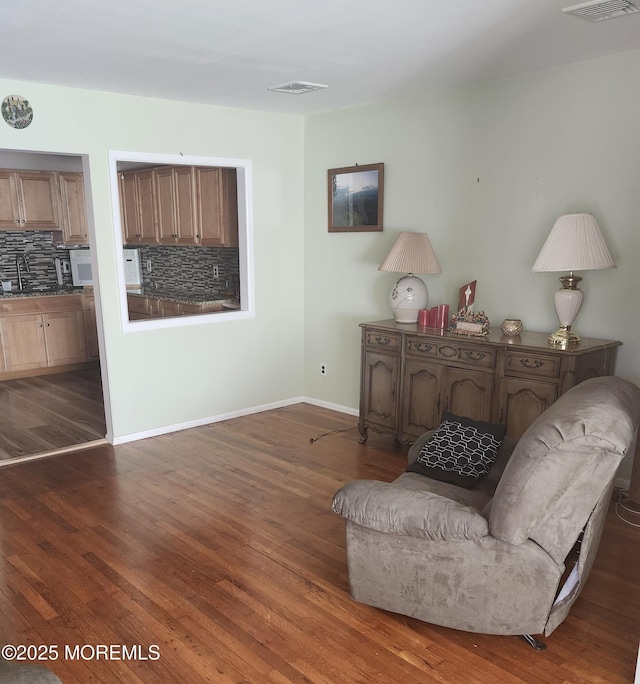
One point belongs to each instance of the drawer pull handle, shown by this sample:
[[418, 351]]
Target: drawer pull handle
[[419, 346], [382, 340], [531, 364], [474, 356]]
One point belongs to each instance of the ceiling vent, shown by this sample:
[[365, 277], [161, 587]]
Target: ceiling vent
[[297, 87], [599, 10]]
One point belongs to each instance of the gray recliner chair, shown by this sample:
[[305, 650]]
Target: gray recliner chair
[[491, 559]]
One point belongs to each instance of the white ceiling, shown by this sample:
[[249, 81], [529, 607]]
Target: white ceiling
[[229, 53]]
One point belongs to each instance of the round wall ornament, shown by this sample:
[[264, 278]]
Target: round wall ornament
[[16, 111]]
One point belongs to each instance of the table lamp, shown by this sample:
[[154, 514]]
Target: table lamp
[[574, 244], [411, 253]]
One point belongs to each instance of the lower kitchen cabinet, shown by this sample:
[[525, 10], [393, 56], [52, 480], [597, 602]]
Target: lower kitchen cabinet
[[41, 333], [411, 374]]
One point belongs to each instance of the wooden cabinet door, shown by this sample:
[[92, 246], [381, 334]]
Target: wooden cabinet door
[[166, 205], [176, 211], [138, 208], [168, 309], [64, 337], [421, 397], [73, 209], [9, 210], [521, 401], [23, 342], [467, 392], [90, 326], [381, 375], [217, 207], [38, 195]]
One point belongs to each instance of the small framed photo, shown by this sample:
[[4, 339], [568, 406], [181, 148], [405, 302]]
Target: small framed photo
[[356, 198]]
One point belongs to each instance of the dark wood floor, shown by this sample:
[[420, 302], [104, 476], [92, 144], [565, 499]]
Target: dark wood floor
[[218, 545], [46, 413]]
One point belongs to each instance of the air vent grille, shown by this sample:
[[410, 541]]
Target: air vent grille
[[599, 10], [297, 87]]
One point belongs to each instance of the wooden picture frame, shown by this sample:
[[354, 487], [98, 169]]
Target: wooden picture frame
[[356, 198]]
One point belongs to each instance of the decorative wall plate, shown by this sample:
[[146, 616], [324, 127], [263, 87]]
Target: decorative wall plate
[[16, 111]]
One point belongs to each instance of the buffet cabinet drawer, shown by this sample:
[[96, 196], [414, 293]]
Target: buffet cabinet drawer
[[379, 339], [467, 354], [541, 365]]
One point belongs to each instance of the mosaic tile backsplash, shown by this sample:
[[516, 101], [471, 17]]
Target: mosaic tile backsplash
[[39, 252], [183, 270]]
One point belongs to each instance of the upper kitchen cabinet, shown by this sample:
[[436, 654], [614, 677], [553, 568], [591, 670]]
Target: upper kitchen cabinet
[[138, 208], [29, 200], [176, 205], [217, 202], [73, 209], [180, 205]]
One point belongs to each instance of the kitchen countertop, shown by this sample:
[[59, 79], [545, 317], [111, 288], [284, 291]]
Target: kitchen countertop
[[183, 298], [43, 293]]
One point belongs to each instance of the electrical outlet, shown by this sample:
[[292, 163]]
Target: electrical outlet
[[149, 265], [216, 272], [323, 369]]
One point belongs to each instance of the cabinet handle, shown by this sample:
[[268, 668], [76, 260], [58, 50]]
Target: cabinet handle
[[382, 340], [48, 324], [528, 364], [40, 325], [198, 236]]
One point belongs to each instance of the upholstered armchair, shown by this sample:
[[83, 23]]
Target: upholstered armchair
[[511, 554]]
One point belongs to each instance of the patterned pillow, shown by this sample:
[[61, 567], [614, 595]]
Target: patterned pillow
[[460, 452]]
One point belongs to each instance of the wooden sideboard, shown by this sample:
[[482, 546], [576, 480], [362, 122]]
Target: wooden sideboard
[[411, 374]]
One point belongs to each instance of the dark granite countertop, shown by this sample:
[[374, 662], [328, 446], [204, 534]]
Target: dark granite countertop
[[16, 294], [182, 297]]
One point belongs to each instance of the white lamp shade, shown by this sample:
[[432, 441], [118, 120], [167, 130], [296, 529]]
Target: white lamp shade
[[574, 244], [411, 253]]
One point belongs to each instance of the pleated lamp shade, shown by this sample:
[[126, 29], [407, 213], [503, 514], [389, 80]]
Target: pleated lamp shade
[[575, 243], [411, 253]]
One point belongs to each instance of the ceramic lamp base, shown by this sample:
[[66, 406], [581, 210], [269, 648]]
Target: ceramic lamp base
[[407, 297]]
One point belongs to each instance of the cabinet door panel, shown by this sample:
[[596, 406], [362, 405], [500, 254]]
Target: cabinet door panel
[[421, 397], [64, 337], [380, 389], [167, 228], [73, 209], [39, 196], [23, 342], [9, 211], [468, 393], [522, 401]]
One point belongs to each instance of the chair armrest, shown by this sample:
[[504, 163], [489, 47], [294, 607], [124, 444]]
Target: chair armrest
[[385, 507]]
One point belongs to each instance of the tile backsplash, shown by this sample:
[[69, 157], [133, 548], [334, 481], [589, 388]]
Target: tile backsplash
[[183, 270], [39, 251]]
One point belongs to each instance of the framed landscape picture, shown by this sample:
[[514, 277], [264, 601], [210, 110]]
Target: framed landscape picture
[[355, 198]]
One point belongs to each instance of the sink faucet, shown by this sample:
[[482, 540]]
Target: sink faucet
[[23, 258]]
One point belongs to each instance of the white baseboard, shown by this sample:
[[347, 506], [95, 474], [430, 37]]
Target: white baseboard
[[622, 483], [177, 427], [334, 407]]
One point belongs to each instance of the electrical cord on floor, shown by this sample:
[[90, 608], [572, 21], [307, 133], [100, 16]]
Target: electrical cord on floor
[[331, 432], [620, 496]]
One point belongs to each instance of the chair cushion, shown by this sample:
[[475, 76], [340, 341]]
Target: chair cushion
[[460, 452]]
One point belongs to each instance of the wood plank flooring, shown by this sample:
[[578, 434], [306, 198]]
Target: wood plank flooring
[[46, 413], [218, 546]]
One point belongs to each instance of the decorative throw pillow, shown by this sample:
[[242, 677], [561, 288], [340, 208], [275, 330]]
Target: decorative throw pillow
[[460, 452]]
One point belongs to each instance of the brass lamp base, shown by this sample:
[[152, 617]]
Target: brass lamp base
[[563, 337]]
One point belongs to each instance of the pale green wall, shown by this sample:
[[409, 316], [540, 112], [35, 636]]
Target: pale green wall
[[485, 170], [160, 378]]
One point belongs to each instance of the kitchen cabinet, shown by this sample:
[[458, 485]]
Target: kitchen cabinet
[[42, 333], [138, 208], [29, 200], [176, 210], [73, 209], [411, 374], [180, 205], [217, 204]]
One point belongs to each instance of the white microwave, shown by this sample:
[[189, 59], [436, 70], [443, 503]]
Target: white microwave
[[82, 275]]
